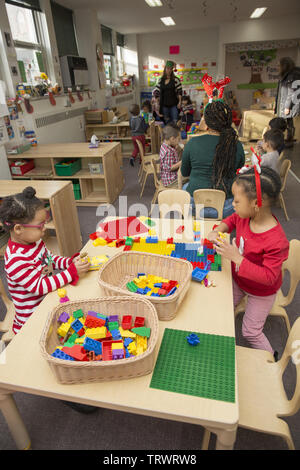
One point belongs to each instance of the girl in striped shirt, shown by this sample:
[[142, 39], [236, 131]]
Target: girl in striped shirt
[[28, 263]]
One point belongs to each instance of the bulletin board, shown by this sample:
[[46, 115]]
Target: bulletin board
[[188, 76]]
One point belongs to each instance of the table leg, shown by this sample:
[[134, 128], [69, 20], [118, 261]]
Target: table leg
[[14, 420], [225, 438]]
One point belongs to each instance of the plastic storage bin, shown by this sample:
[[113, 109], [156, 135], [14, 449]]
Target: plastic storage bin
[[68, 167], [76, 189]]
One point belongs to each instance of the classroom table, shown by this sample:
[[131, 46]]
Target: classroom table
[[206, 310]]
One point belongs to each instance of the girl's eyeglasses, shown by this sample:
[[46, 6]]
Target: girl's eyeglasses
[[39, 226]]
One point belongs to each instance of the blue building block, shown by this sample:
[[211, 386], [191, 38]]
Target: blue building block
[[154, 295], [127, 353], [193, 339], [59, 354], [199, 274], [141, 274], [76, 325], [92, 345], [171, 292], [116, 334], [140, 291], [152, 240], [127, 341], [158, 284]]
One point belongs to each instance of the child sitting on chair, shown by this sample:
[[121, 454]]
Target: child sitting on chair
[[272, 142], [276, 123], [169, 159]]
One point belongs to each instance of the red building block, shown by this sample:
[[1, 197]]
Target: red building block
[[127, 248], [127, 322], [170, 241], [81, 332], [211, 258], [93, 322], [139, 321], [77, 352], [120, 242], [162, 292], [93, 236], [137, 240], [180, 229], [106, 351]]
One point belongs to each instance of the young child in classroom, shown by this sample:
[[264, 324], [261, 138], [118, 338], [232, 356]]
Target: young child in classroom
[[169, 159], [257, 252], [146, 112], [138, 128], [28, 263], [187, 112], [156, 108], [276, 123], [272, 142]]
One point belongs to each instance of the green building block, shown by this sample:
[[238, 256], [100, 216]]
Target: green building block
[[150, 223], [142, 331], [113, 325], [206, 371], [78, 313], [132, 286], [71, 341], [129, 241]]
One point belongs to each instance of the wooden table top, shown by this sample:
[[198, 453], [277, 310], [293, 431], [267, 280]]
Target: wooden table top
[[68, 150], [206, 310]]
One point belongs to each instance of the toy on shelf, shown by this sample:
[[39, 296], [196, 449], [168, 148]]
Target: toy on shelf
[[97, 337], [94, 144]]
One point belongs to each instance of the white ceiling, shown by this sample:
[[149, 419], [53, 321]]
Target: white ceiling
[[135, 16]]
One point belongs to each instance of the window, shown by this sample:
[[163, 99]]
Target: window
[[108, 68], [64, 30], [120, 61], [25, 28], [107, 43]]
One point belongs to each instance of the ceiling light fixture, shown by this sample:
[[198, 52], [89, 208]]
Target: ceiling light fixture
[[168, 21], [154, 3], [258, 12]]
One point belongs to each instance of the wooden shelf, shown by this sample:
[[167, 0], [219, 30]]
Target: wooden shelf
[[35, 173], [81, 174]]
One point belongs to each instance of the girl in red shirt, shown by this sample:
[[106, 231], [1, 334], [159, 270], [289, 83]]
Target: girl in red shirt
[[257, 252]]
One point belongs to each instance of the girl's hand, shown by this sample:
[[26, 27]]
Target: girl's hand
[[213, 236], [81, 265], [229, 251]]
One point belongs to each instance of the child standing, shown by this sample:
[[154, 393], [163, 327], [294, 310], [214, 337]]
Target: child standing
[[146, 112], [138, 129], [169, 160], [257, 252], [155, 104], [28, 263], [187, 112], [272, 142]]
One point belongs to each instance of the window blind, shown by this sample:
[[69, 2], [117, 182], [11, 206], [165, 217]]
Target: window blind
[[30, 4], [107, 44], [64, 30], [120, 40]]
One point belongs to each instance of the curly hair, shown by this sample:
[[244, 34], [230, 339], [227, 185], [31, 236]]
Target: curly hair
[[19, 208], [218, 117], [270, 184]]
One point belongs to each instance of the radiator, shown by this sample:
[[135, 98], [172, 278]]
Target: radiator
[[62, 116]]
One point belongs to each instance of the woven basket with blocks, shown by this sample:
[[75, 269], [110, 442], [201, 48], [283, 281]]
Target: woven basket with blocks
[[124, 267], [71, 372]]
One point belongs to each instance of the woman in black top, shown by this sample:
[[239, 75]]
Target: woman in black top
[[170, 93]]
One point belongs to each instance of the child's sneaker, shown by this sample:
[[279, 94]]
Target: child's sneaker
[[131, 161]]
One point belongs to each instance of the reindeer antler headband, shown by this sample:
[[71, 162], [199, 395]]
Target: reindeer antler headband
[[209, 86], [256, 162]]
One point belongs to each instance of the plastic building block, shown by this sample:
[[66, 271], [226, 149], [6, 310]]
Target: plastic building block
[[63, 329], [91, 313], [142, 331], [193, 339], [63, 318], [172, 291], [76, 325], [120, 242], [92, 345], [96, 333], [113, 325], [141, 342], [80, 340], [116, 334], [127, 248], [180, 229], [170, 241], [132, 348], [129, 241], [127, 322], [126, 333], [93, 236], [117, 354], [152, 239], [113, 318], [199, 274], [152, 232], [106, 351], [127, 341], [139, 321], [206, 371], [77, 352], [78, 313], [99, 242], [61, 355], [62, 292]]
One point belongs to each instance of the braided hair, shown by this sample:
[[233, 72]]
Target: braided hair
[[218, 117], [269, 180], [19, 208]]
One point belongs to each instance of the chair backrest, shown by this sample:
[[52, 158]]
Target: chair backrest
[[283, 172], [281, 156], [210, 198], [141, 149], [292, 265], [291, 351], [174, 200], [155, 167]]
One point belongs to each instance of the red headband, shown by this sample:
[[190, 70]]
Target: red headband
[[256, 162]]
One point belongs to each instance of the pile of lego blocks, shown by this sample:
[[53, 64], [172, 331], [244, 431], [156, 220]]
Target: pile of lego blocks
[[152, 286], [97, 337]]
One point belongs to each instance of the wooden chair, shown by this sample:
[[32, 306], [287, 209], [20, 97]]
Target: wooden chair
[[145, 168], [261, 394], [281, 156], [283, 172], [175, 200], [293, 267], [210, 198], [7, 323]]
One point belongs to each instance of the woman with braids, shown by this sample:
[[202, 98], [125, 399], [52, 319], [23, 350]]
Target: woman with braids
[[28, 263], [257, 251], [211, 160]]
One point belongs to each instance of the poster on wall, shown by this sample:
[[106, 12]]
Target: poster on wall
[[263, 68], [3, 132], [188, 76]]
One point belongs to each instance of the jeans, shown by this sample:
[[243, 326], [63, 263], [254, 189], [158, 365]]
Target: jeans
[[170, 114], [210, 212]]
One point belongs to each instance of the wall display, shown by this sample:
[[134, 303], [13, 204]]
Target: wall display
[[257, 61], [100, 66], [10, 132], [3, 105], [3, 132], [188, 76]]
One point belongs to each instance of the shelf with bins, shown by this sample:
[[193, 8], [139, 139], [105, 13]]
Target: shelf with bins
[[89, 187]]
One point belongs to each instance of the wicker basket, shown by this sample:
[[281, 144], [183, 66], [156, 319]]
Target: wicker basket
[[124, 267], [71, 372]]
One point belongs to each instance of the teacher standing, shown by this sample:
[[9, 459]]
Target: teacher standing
[[169, 90]]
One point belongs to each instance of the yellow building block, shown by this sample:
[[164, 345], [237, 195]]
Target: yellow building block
[[97, 261], [126, 333], [96, 333], [71, 319], [63, 329], [139, 350], [141, 341], [132, 348], [152, 232], [99, 242], [80, 340], [112, 244], [117, 346], [149, 293], [62, 292]]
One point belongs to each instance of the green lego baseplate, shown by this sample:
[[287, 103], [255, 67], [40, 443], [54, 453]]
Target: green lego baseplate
[[206, 370]]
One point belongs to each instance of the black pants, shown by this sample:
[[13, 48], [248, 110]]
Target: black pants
[[290, 129]]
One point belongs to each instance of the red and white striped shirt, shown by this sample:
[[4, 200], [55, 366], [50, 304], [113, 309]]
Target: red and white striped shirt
[[26, 281]]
